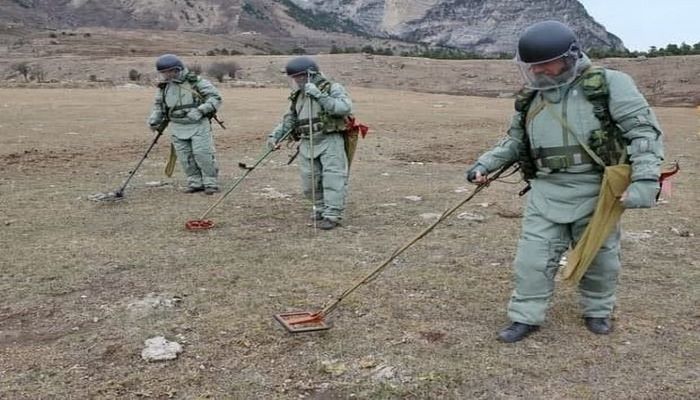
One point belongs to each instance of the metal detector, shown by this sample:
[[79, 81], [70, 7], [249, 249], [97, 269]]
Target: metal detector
[[306, 321], [119, 193], [203, 224]]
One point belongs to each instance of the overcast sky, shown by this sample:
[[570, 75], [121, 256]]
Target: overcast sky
[[641, 24]]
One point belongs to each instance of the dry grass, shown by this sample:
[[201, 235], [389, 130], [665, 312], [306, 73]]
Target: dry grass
[[425, 329]]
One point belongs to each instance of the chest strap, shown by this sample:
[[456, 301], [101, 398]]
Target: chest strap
[[557, 158]]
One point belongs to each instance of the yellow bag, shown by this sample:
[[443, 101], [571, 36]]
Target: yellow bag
[[170, 165], [607, 214]]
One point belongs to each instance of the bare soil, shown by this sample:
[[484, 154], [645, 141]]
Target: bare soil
[[75, 274]]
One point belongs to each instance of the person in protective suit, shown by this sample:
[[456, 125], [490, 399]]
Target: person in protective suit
[[316, 117], [187, 102], [555, 134]]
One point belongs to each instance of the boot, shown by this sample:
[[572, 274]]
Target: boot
[[599, 325], [211, 190], [316, 217], [327, 224], [516, 331], [193, 189]]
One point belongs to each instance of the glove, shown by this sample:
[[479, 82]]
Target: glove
[[194, 114], [272, 143], [640, 194], [153, 127], [312, 90], [471, 172]]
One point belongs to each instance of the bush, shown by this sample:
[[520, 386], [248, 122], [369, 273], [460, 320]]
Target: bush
[[134, 75], [219, 70], [23, 68], [38, 74]]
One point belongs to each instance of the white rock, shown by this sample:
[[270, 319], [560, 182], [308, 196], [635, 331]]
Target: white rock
[[429, 216], [272, 193], [155, 183], [413, 198], [159, 349], [469, 216]]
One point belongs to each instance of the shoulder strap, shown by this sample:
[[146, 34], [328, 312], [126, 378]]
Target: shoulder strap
[[609, 142]]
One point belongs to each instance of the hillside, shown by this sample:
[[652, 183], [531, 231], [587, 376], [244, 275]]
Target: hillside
[[484, 27]]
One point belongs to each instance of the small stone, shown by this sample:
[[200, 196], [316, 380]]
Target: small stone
[[159, 349]]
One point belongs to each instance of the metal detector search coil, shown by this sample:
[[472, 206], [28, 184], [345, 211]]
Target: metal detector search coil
[[199, 224], [302, 321]]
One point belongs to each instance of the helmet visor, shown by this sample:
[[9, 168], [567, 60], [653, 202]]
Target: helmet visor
[[550, 74], [298, 80]]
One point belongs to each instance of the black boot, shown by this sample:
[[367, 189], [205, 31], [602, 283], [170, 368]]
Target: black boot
[[210, 190], [599, 325], [327, 224], [193, 189], [516, 331]]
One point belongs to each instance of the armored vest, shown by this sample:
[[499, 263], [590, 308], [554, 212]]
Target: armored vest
[[321, 121], [605, 145], [193, 98]]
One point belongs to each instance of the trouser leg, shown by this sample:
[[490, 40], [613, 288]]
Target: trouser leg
[[204, 157], [598, 285], [183, 148], [334, 166], [305, 166], [540, 248]]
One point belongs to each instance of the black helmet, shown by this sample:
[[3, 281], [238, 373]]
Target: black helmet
[[298, 65], [545, 41], [167, 62]]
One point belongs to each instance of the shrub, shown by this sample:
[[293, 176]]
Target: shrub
[[219, 70], [134, 75], [23, 69]]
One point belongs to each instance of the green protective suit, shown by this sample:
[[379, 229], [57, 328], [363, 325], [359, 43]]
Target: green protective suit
[[178, 101], [562, 200], [327, 155]]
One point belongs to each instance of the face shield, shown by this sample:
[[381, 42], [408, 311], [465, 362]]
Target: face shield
[[171, 74], [297, 81], [552, 73]]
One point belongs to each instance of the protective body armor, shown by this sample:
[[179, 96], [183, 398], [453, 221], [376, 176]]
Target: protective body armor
[[326, 157], [323, 122], [606, 141], [549, 129], [191, 139]]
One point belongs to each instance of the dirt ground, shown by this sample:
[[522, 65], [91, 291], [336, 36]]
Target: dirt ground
[[84, 284]]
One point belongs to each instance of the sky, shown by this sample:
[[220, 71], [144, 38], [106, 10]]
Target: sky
[[642, 24]]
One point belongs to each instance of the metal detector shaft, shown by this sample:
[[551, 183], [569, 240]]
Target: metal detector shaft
[[120, 191], [312, 159], [331, 306], [236, 183], [239, 180]]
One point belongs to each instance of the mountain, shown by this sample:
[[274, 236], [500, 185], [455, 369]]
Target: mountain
[[480, 26]]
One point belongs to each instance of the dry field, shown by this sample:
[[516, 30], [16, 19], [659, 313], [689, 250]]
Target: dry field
[[84, 284]]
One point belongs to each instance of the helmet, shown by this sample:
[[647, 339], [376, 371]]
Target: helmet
[[546, 42], [298, 65], [167, 62]]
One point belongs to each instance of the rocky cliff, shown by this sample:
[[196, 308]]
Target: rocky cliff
[[481, 26]]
